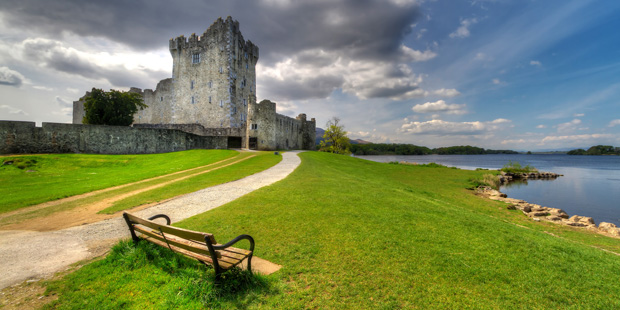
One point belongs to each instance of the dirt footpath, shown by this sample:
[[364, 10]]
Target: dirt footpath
[[30, 255]]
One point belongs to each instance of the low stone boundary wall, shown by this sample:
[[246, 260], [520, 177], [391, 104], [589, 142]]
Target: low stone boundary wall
[[24, 137]]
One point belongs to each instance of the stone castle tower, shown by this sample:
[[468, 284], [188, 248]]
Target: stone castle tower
[[212, 92]]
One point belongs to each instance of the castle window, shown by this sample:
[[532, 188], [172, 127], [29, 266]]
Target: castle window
[[254, 126], [193, 100], [210, 84], [245, 102], [246, 55], [196, 58], [234, 110], [221, 70], [161, 98], [246, 66], [221, 103], [209, 99], [191, 85]]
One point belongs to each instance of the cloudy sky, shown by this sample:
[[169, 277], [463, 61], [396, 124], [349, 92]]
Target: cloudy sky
[[500, 74]]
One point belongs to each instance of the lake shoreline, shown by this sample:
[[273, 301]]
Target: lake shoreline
[[554, 215]]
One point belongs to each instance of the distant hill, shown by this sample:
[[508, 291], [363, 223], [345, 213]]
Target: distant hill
[[360, 141]]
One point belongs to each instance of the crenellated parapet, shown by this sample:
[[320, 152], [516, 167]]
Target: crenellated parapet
[[221, 32]]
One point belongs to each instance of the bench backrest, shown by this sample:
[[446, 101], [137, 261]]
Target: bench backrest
[[183, 233]]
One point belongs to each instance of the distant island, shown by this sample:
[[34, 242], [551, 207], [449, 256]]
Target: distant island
[[597, 150], [410, 149]]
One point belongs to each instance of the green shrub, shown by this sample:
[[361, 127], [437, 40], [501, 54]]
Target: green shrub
[[515, 167]]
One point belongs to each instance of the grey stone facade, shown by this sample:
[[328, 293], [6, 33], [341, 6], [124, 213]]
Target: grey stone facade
[[213, 90], [24, 137]]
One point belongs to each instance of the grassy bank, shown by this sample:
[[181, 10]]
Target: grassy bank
[[33, 179], [357, 234]]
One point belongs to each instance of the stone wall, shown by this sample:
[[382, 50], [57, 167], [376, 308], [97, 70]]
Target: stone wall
[[24, 137], [212, 92]]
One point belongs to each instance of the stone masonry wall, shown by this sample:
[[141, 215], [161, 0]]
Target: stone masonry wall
[[25, 137], [212, 92]]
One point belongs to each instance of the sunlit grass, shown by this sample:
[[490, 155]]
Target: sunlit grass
[[58, 176], [358, 234]]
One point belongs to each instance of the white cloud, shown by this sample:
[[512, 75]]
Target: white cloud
[[317, 73], [12, 110], [576, 138], [42, 88], [535, 63], [441, 128], [122, 68], [411, 55], [463, 30], [449, 93], [579, 115], [496, 81], [614, 123], [439, 106], [421, 33], [541, 126], [569, 126], [10, 77]]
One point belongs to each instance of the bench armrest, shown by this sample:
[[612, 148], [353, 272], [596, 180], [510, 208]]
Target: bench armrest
[[162, 216], [239, 238]]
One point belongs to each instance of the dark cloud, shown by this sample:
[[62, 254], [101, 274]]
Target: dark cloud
[[360, 28], [313, 33], [53, 54], [312, 87]]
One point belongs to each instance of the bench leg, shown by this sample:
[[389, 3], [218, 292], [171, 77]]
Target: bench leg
[[130, 225], [250, 263]]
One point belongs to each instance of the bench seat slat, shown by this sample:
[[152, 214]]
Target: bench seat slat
[[227, 258], [183, 233], [193, 246]]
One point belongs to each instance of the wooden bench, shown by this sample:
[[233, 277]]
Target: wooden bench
[[197, 245]]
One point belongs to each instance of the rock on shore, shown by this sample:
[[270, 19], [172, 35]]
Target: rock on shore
[[509, 177], [538, 213]]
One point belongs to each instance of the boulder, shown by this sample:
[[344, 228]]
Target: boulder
[[558, 212], [582, 219], [527, 209], [609, 228]]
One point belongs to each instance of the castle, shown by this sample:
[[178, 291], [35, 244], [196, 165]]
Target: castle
[[212, 92]]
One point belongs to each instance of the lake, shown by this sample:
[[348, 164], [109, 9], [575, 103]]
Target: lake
[[590, 185]]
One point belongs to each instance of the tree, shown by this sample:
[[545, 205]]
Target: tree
[[111, 108], [335, 139]]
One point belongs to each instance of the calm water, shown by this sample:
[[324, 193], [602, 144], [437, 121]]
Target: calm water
[[590, 185]]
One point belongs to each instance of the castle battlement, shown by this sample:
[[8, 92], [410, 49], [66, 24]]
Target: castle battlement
[[221, 32]]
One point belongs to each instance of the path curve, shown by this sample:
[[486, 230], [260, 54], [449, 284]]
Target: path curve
[[28, 255]]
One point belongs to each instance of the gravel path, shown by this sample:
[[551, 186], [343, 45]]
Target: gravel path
[[34, 255]]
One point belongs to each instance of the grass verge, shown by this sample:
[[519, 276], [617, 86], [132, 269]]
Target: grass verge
[[34, 179], [219, 175], [358, 234]]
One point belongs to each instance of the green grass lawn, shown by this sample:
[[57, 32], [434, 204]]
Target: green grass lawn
[[34, 179], [357, 234]]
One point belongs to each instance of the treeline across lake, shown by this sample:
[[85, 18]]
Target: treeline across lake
[[410, 149], [597, 150]]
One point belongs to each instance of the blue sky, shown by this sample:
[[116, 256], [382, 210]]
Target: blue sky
[[523, 75]]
